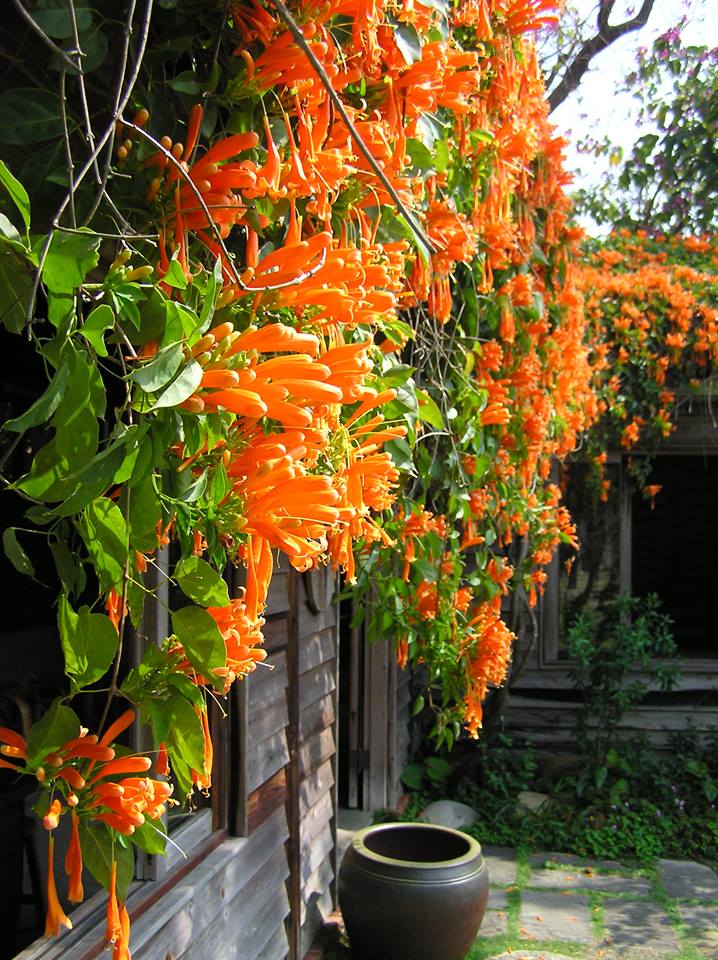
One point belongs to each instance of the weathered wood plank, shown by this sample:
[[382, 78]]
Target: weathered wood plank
[[313, 856], [377, 680], [173, 923], [316, 650], [319, 782], [316, 684], [317, 884], [320, 908], [556, 678], [267, 684], [267, 799], [265, 723], [317, 716], [277, 597], [317, 819], [315, 751], [275, 633], [247, 922], [265, 759], [277, 948], [310, 622]]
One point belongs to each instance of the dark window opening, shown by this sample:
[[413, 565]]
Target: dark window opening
[[673, 548]]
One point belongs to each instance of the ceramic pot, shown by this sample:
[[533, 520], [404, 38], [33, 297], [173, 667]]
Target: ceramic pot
[[412, 891]]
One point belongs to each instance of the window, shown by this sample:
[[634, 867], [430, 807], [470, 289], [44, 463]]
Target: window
[[637, 544]]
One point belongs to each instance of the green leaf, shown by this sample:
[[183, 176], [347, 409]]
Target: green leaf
[[183, 736], [417, 706], [15, 553], [15, 286], [203, 643], [419, 154], [29, 115], [99, 850], [408, 42], [182, 388], [100, 473], [44, 407], [56, 727], [151, 837], [175, 276], [18, 194], [211, 293], [145, 511], [69, 568], [100, 319], [413, 776], [105, 534], [185, 82], [401, 455], [53, 16], [152, 376], [89, 642], [76, 434], [70, 258], [201, 582], [428, 410]]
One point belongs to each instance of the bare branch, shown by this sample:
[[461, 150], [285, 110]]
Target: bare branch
[[336, 100], [605, 36], [43, 36]]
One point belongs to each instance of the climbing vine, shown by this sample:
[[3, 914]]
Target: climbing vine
[[300, 281]]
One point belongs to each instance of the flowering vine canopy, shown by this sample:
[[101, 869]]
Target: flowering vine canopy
[[301, 282]]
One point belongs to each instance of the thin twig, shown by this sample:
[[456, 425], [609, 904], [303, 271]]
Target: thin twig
[[66, 141], [121, 103], [43, 36], [89, 135], [336, 100]]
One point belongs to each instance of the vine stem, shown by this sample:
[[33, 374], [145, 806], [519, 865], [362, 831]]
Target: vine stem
[[291, 23], [120, 104]]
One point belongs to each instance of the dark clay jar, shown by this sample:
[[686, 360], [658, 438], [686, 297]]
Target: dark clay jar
[[411, 891]]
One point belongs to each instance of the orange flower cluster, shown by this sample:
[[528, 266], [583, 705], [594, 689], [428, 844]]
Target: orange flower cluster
[[486, 651], [87, 779], [652, 306]]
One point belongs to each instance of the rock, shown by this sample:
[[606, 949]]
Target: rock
[[449, 813], [529, 800]]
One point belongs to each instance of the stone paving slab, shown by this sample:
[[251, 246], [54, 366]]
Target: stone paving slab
[[541, 859], [631, 924], [501, 863], [530, 955], [498, 899], [685, 879], [493, 924], [703, 923], [587, 879], [555, 916]]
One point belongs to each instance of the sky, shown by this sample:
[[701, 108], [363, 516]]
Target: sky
[[597, 108]]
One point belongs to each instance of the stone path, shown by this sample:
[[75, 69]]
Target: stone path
[[558, 907], [552, 906]]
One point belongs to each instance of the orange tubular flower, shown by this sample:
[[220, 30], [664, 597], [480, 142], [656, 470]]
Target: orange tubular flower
[[56, 917], [73, 863]]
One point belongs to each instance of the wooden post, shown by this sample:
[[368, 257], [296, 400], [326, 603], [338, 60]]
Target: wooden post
[[294, 853]]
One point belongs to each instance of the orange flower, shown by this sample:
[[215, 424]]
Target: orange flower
[[56, 916]]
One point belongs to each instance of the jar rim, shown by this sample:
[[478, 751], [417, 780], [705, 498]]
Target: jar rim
[[473, 848]]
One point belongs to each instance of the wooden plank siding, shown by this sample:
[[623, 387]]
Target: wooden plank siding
[[551, 724]]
